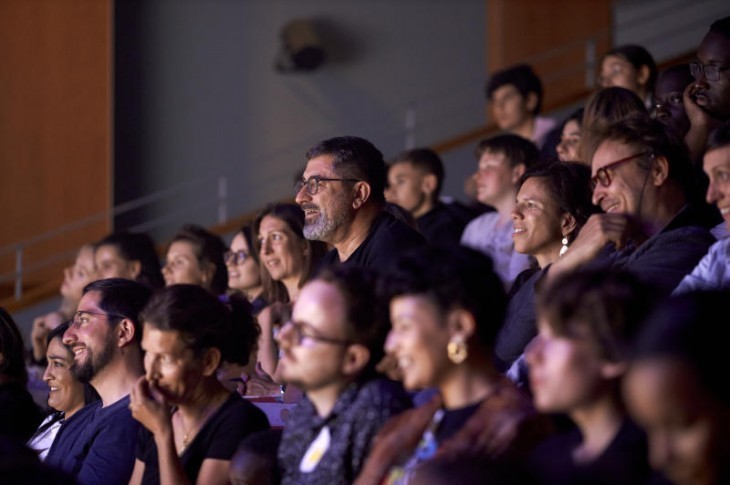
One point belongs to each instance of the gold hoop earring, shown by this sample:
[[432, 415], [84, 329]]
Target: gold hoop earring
[[564, 248], [457, 351]]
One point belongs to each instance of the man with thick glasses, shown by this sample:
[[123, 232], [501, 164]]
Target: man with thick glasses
[[707, 99], [342, 194], [329, 349], [654, 221], [97, 444]]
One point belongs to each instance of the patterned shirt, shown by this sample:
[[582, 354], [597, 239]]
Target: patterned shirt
[[332, 450]]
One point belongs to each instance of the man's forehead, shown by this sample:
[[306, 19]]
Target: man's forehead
[[320, 304], [715, 48], [322, 165], [89, 301]]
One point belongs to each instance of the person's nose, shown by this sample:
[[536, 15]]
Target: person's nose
[[302, 195], [713, 195], [47, 374], [69, 336]]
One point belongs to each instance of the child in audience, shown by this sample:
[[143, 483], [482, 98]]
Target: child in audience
[[195, 257], [131, 256], [668, 102]]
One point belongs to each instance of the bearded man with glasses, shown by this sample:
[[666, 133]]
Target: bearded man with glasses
[[655, 222], [342, 194]]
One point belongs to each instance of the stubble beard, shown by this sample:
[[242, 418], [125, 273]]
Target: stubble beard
[[94, 364], [324, 227]]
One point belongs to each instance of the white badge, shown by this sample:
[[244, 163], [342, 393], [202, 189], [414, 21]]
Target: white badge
[[316, 450]]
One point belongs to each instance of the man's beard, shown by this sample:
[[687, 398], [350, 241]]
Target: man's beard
[[323, 228], [94, 364]]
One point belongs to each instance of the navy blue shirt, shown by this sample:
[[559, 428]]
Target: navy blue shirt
[[96, 444]]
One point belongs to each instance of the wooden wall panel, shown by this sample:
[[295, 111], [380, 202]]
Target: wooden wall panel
[[55, 126]]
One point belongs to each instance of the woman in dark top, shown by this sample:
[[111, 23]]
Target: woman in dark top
[[585, 321], [186, 329]]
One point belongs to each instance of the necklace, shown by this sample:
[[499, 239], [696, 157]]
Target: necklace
[[189, 434]]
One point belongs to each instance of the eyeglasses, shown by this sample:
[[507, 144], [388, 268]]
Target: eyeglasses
[[235, 257], [81, 319], [603, 176], [712, 73], [300, 334], [314, 182]]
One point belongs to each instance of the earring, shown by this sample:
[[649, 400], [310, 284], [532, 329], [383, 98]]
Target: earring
[[564, 248], [457, 350]]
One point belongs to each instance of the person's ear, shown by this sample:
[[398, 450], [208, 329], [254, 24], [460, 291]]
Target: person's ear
[[361, 194], [531, 102], [613, 370], [429, 183], [642, 76], [461, 324], [135, 268], [517, 172], [659, 169], [567, 224], [125, 332], [211, 361], [356, 358], [207, 273]]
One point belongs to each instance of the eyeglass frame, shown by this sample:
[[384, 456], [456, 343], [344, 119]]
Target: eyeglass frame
[[696, 67], [604, 171], [74, 323], [299, 336], [239, 256], [299, 184]]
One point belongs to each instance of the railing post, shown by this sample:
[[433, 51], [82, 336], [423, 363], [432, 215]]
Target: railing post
[[19, 272], [410, 127], [590, 78], [222, 199]]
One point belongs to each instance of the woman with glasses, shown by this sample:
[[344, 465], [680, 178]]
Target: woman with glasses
[[66, 395], [288, 260], [192, 423], [552, 205], [244, 272]]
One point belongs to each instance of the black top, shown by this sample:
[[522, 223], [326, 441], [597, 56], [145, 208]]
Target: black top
[[444, 224], [624, 461], [453, 420], [19, 415], [387, 239], [217, 439]]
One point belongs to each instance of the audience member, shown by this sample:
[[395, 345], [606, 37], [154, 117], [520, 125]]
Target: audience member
[[515, 101], [576, 363], [414, 183], [244, 271], [19, 415], [707, 100], [668, 98], [330, 349], [677, 390], [254, 462], [446, 307], [502, 161], [75, 278], [195, 257], [129, 255], [569, 147], [97, 444], [653, 223], [604, 108], [553, 203], [631, 67], [713, 270], [66, 394], [342, 193], [186, 332]]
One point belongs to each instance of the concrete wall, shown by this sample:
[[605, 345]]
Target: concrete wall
[[197, 97]]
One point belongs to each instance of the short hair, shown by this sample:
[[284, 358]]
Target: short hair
[[356, 158], [12, 349], [569, 184], [609, 305], [137, 246], [204, 321], [516, 149], [293, 216], [522, 77], [637, 56], [453, 278], [426, 161], [209, 249], [651, 136], [365, 320], [719, 137], [686, 328], [721, 26], [119, 296]]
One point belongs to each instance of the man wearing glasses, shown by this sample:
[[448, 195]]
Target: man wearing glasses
[[96, 444], [655, 222], [342, 194], [707, 100], [330, 349]]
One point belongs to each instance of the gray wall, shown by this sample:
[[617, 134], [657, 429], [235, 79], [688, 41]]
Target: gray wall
[[197, 96]]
